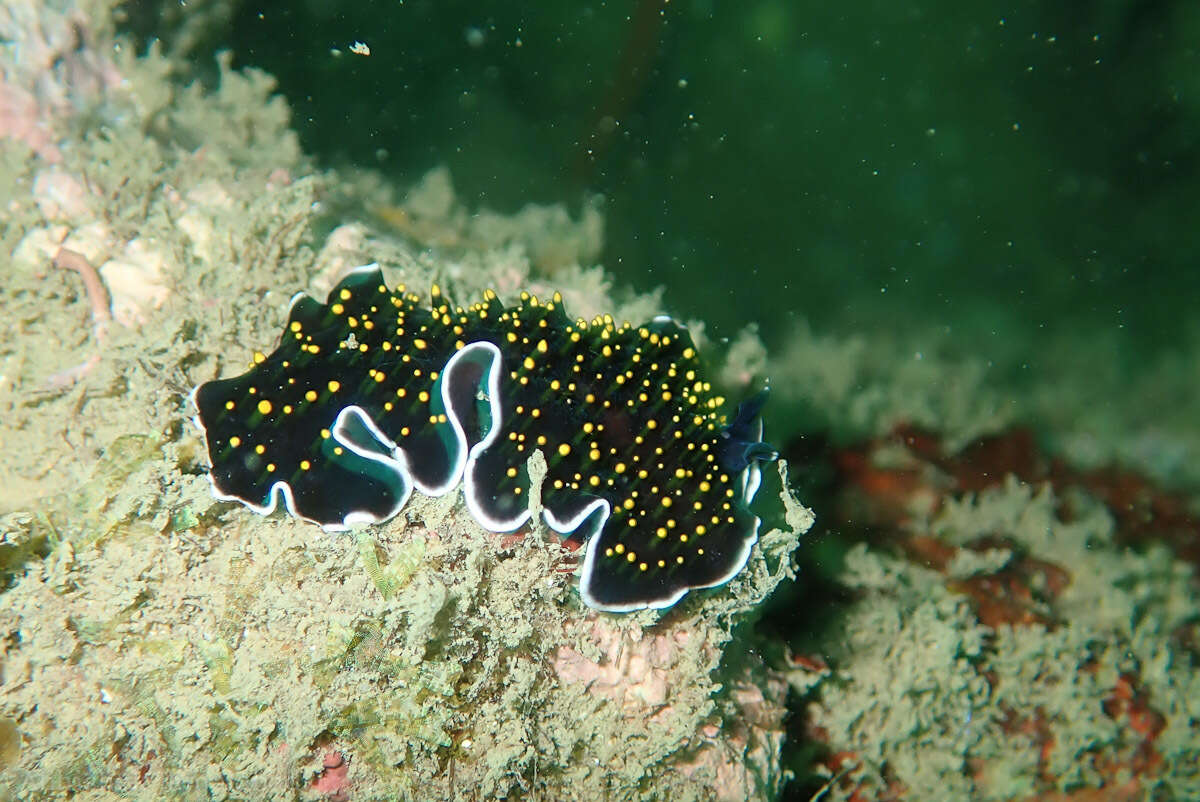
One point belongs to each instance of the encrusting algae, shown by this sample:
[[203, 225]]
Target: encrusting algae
[[1004, 642], [158, 644]]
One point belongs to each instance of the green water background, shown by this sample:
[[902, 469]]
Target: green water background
[[999, 170]]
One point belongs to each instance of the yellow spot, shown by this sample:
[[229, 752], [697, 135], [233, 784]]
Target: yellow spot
[[305, 465], [666, 501], [310, 396], [337, 309], [688, 353], [379, 377], [338, 450], [324, 434], [620, 467], [541, 346], [271, 467], [528, 363], [344, 294], [700, 530], [511, 472], [259, 357], [631, 556], [260, 449], [334, 385], [235, 441], [229, 405], [594, 481], [705, 487], [594, 454], [652, 424], [680, 473], [564, 450], [642, 566], [401, 392], [423, 395], [661, 531], [287, 409], [295, 325], [264, 407], [420, 344]]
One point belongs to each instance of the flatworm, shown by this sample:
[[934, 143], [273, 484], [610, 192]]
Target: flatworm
[[375, 393]]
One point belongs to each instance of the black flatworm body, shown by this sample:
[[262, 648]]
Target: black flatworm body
[[376, 392]]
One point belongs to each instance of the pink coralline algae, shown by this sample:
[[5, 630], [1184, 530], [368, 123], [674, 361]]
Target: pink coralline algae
[[52, 72]]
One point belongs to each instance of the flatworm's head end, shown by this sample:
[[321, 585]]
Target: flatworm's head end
[[742, 445], [648, 555]]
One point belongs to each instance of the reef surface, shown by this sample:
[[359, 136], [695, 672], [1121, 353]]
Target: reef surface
[[159, 643]]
